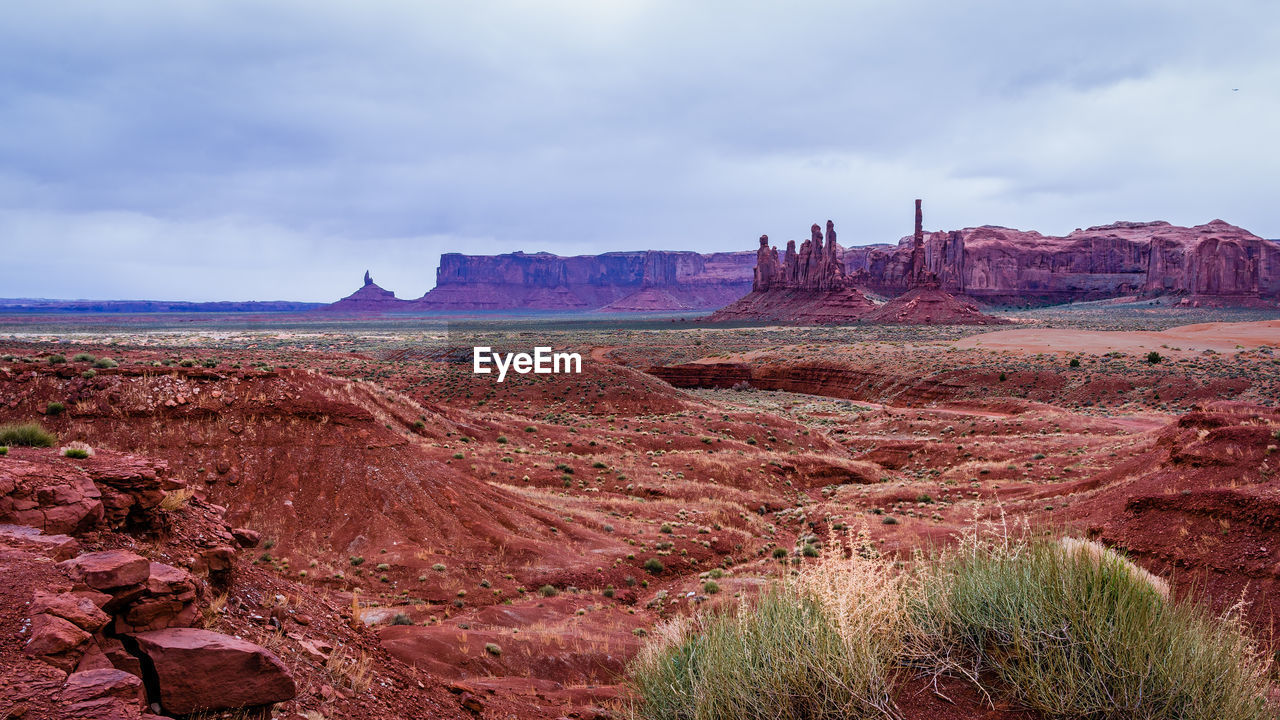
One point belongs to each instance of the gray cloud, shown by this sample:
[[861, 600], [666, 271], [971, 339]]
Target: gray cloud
[[211, 150]]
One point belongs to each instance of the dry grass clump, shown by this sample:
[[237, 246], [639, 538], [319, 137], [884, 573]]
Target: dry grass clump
[[1069, 629], [351, 670], [176, 499]]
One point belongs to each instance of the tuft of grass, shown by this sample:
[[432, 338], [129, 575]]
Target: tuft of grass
[[401, 619], [26, 435], [4, 449], [54, 408], [548, 591], [83, 357], [1069, 630], [105, 363], [493, 649], [56, 359], [654, 565], [1074, 633]]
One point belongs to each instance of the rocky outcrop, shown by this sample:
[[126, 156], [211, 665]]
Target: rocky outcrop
[[651, 280], [107, 489], [805, 286], [203, 670], [370, 299], [1215, 263], [113, 621]]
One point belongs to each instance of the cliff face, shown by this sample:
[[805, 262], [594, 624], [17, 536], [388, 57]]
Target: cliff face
[[1213, 263], [622, 281]]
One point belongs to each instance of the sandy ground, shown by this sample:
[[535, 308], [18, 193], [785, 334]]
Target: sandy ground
[[1219, 337]]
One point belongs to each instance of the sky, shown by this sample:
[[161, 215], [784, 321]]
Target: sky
[[251, 149]]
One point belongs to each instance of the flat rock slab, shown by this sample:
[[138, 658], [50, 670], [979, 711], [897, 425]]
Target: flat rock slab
[[204, 670], [108, 569]]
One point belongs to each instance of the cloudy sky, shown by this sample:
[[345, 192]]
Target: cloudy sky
[[275, 150]]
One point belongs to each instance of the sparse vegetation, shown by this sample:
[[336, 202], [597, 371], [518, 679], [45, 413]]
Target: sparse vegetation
[[1068, 632], [176, 499], [54, 408], [26, 435]]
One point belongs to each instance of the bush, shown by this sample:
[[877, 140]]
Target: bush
[[779, 553], [75, 453], [1153, 357], [4, 449], [493, 649], [710, 587], [1077, 633], [809, 550], [57, 359], [54, 408], [548, 591], [784, 659], [1070, 631], [88, 374], [105, 363], [654, 565], [1075, 362], [356, 560], [401, 619], [83, 357], [26, 435]]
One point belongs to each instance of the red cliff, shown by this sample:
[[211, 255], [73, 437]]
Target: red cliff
[[618, 281]]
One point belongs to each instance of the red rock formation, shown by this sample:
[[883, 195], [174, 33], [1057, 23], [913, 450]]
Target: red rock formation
[[202, 670], [1215, 263], [369, 300], [618, 281]]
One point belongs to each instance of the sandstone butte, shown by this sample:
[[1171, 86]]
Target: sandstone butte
[[819, 280]]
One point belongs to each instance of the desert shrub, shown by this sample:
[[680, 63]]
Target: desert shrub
[[1075, 362], [105, 363], [1153, 357], [1074, 633], [548, 591], [809, 550], [54, 408], [779, 553], [356, 560], [493, 649], [75, 453], [654, 565], [83, 357], [666, 528], [784, 659], [1070, 630], [4, 449], [401, 619], [710, 587], [26, 435], [439, 567], [56, 359], [88, 374]]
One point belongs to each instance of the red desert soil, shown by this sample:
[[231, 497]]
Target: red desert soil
[[492, 538], [1218, 337]]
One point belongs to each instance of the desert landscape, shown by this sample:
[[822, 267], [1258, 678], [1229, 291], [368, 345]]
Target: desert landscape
[[639, 360], [337, 518]]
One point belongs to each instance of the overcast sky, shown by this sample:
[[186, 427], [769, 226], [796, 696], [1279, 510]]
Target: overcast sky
[[275, 150]]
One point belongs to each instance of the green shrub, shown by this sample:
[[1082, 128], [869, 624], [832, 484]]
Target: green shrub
[[54, 408], [4, 449], [654, 565], [75, 453], [356, 560], [83, 357], [56, 359], [782, 660], [1081, 634], [1153, 357], [26, 435], [779, 553], [548, 591], [105, 363], [493, 649], [401, 619], [1075, 362], [809, 550], [90, 373], [710, 587]]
